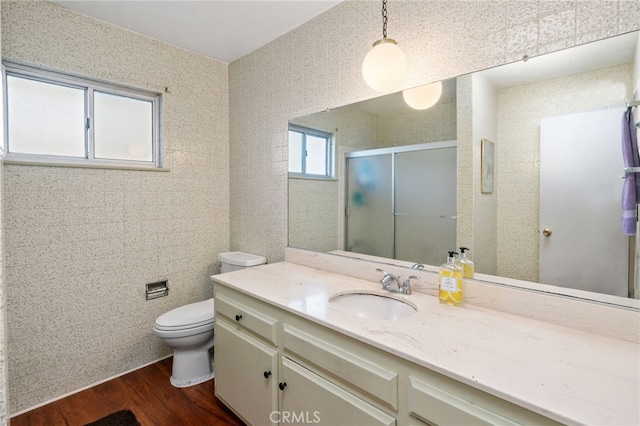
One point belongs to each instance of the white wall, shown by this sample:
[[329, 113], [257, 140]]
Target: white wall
[[81, 243]]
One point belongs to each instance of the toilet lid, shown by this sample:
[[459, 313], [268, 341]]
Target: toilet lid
[[191, 315]]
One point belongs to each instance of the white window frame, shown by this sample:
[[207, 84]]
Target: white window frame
[[329, 166], [89, 86]]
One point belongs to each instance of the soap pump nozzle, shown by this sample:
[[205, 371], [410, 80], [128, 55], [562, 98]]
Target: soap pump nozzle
[[463, 255]]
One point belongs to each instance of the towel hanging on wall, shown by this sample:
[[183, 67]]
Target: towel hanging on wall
[[631, 187]]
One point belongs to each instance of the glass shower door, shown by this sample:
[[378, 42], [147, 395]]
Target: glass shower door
[[425, 205], [369, 215]]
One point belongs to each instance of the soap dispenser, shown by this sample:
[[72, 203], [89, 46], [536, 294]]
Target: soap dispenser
[[465, 263], [450, 282]]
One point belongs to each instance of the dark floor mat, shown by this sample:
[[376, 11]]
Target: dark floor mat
[[119, 418]]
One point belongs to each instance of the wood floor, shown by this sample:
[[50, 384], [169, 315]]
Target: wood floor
[[147, 392]]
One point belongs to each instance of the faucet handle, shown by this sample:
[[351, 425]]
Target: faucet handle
[[385, 278], [406, 285], [419, 266], [386, 275]]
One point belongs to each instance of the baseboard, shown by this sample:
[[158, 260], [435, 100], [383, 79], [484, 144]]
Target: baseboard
[[11, 415]]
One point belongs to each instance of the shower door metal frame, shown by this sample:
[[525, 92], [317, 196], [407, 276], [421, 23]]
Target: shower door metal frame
[[393, 151]]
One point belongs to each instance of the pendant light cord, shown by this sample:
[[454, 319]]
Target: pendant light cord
[[384, 18]]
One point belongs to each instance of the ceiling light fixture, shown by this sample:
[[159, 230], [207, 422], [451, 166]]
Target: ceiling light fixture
[[385, 66], [423, 97]]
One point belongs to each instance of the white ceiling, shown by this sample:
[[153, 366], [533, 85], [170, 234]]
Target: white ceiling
[[220, 29]]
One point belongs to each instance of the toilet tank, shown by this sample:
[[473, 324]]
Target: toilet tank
[[234, 260]]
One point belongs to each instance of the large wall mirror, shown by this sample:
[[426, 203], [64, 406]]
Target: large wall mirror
[[521, 163]]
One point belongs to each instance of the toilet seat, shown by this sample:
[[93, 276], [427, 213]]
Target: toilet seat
[[193, 315]]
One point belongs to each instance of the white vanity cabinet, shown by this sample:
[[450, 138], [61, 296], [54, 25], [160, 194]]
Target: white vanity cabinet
[[270, 372], [344, 385], [246, 361], [310, 398], [322, 376], [436, 400]]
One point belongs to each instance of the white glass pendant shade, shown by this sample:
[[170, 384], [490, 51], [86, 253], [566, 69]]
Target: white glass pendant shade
[[385, 66], [423, 97]]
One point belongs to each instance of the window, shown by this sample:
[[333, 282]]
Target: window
[[58, 119], [310, 153]]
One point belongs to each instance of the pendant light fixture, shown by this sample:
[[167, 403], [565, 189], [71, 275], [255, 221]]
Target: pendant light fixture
[[423, 97], [385, 66]]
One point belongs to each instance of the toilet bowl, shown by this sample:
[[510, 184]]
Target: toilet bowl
[[189, 331]]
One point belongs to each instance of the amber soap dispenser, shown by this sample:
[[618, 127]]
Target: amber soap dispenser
[[450, 282], [465, 263]]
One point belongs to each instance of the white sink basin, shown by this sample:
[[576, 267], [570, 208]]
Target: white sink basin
[[372, 306]]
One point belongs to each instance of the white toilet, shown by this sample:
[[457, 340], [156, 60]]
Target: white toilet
[[189, 329]]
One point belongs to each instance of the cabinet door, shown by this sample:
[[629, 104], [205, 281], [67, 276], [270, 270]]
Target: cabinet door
[[246, 374], [308, 398]]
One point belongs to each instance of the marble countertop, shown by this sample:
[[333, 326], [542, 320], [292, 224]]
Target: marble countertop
[[568, 375]]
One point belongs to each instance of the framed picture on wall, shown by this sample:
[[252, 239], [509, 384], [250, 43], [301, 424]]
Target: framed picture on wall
[[487, 160]]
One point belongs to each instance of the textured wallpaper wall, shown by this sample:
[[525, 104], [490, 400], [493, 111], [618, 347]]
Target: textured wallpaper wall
[[408, 127], [315, 205], [81, 243], [636, 71], [91, 238], [485, 211], [4, 397], [317, 66], [313, 216]]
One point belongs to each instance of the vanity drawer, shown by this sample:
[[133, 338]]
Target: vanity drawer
[[451, 403], [345, 366], [247, 318], [323, 402]]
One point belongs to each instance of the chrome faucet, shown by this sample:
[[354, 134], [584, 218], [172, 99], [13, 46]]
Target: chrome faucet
[[391, 282], [405, 288]]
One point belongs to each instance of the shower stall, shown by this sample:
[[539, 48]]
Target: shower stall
[[401, 202]]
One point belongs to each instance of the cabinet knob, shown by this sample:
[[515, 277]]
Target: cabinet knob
[[238, 317], [546, 232], [282, 385], [267, 374]]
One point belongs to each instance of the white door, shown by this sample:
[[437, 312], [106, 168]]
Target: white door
[[580, 202]]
